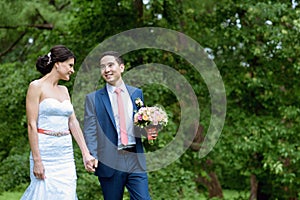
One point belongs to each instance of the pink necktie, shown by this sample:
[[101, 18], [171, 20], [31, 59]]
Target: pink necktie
[[124, 138]]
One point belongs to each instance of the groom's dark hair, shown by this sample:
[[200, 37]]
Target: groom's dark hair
[[115, 54]]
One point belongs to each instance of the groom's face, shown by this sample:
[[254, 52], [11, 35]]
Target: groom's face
[[111, 70]]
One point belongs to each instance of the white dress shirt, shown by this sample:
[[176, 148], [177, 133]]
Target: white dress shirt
[[128, 110]]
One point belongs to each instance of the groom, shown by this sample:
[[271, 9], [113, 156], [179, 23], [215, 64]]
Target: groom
[[111, 135]]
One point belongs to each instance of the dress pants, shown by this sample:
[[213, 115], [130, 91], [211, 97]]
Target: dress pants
[[128, 174]]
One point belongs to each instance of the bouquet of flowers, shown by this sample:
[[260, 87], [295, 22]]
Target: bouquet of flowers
[[149, 117]]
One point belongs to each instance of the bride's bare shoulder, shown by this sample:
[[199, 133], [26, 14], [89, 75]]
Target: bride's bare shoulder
[[35, 84]]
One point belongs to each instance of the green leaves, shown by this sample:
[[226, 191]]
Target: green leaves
[[255, 45]]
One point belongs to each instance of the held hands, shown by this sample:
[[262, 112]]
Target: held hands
[[90, 163]]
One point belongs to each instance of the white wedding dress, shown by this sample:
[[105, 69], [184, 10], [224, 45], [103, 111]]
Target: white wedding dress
[[56, 153]]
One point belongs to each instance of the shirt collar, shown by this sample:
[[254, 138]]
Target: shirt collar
[[111, 88]]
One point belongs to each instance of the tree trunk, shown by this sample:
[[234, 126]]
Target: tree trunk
[[198, 139], [215, 189], [212, 184], [254, 184], [260, 194], [139, 6]]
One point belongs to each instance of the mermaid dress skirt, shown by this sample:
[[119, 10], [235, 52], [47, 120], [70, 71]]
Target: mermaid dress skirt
[[56, 154]]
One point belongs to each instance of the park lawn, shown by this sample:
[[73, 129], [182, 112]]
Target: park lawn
[[228, 194], [11, 195]]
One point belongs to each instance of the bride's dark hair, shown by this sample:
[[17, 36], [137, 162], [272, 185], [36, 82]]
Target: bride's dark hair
[[58, 53]]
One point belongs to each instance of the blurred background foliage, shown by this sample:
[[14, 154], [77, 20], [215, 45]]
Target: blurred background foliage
[[254, 44]]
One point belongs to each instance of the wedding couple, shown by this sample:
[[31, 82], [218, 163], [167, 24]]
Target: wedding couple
[[111, 145]]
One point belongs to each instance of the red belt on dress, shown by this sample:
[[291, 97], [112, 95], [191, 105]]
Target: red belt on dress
[[53, 133]]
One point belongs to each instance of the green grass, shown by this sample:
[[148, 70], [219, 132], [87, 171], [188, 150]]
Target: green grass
[[11, 195], [228, 194]]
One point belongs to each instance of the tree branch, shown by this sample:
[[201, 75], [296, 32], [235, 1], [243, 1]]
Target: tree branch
[[64, 5], [53, 3], [47, 26], [13, 45], [38, 14]]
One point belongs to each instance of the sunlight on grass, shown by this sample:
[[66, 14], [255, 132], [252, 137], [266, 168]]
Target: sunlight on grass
[[11, 195], [228, 195]]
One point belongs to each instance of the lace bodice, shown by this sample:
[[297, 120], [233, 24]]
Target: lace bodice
[[54, 115]]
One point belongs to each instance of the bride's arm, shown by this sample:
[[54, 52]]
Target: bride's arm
[[32, 106], [90, 162]]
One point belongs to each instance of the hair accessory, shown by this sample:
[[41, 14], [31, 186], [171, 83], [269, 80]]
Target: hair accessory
[[49, 55]]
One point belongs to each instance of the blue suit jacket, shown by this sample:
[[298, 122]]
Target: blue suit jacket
[[100, 130]]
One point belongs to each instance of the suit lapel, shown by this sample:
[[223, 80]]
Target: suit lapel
[[133, 96], [103, 96]]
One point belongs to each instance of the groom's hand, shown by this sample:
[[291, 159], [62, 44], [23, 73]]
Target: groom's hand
[[91, 164], [152, 132], [95, 164]]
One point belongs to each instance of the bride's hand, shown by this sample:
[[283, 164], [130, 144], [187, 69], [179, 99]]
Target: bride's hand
[[90, 163], [39, 170]]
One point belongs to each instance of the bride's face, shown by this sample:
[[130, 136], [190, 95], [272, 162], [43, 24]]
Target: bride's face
[[65, 69]]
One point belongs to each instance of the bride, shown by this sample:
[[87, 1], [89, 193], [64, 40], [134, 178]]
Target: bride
[[51, 122]]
